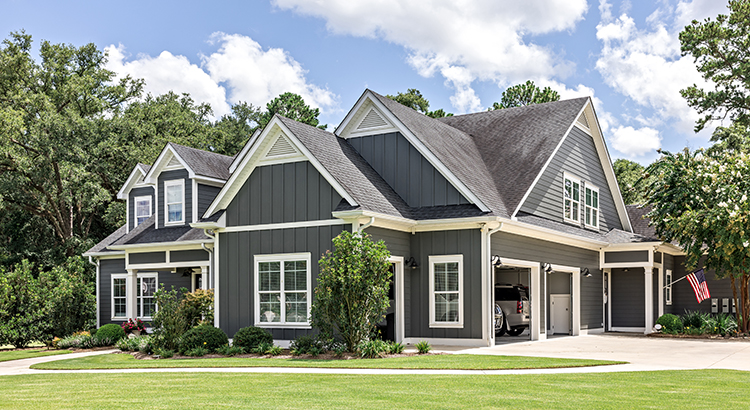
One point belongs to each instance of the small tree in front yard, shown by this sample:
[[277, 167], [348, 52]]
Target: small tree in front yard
[[352, 292], [23, 312]]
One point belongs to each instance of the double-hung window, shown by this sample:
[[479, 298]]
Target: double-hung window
[[142, 209], [174, 202], [446, 291], [282, 284], [571, 198], [119, 296], [591, 207], [147, 285]]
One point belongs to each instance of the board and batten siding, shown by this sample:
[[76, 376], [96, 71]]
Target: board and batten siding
[[187, 206], [136, 192], [291, 192], [628, 298], [206, 195], [534, 250], [108, 267], [237, 251], [578, 157], [409, 173]]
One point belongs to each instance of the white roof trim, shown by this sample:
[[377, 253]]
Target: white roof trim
[[161, 163], [244, 151], [136, 173], [255, 156], [343, 132]]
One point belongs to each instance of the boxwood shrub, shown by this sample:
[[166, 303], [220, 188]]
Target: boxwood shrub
[[670, 323], [250, 337], [203, 336], [110, 331]]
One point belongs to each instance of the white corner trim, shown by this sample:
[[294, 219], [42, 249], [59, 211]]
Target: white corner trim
[[240, 157], [194, 205]]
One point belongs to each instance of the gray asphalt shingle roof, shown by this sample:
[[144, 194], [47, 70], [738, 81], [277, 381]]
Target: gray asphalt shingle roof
[[639, 221], [204, 163], [147, 233]]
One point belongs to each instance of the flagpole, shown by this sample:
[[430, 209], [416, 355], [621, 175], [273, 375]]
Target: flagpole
[[673, 282]]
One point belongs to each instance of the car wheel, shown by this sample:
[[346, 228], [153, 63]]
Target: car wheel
[[499, 321], [517, 331]]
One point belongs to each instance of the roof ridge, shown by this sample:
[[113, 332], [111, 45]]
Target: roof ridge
[[197, 149], [510, 109]]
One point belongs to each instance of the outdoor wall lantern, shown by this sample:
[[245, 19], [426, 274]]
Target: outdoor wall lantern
[[496, 261], [585, 272], [411, 263], [546, 267]]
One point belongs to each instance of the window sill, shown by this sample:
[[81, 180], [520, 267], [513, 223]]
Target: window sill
[[176, 223], [447, 325], [591, 227], [283, 325], [119, 319]]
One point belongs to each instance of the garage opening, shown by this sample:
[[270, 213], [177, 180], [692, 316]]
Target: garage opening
[[559, 303], [512, 307]]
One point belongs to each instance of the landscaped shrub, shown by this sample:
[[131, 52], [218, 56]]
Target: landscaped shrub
[[143, 344], [82, 340], [250, 337], [70, 303], [110, 331], [395, 348], [198, 307], [307, 345], [197, 352], [423, 347], [670, 323], [371, 349], [204, 336], [694, 322], [23, 314], [721, 324], [227, 350]]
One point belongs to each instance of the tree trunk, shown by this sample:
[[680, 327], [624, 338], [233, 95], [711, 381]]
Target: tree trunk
[[736, 298], [745, 302]]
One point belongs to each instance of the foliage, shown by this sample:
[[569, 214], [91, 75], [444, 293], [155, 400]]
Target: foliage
[[670, 323], [168, 323], [164, 353], [133, 325], [203, 336], [292, 106], [370, 349], [395, 348], [84, 340], [352, 292], [71, 304], [628, 174], [721, 324], [143, 344], [23, 316], [521, 95], [700, 202], [413, 99], [198, 307], [423, 347], [250, 337], [110, 331], [227, 350], [267, 348], [307, 345], [196, 352], [733, 139]]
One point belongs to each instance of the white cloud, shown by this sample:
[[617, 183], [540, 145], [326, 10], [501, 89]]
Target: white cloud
[[635, 142], [240, 70], [462, 40]]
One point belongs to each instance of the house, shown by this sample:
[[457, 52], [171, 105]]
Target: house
[[522, 196]]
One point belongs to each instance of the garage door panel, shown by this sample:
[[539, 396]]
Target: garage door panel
[[628, 296]]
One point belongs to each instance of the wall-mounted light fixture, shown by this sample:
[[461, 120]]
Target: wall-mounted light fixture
[[496, 260], [585, 272], [411, 263], [546, 267]]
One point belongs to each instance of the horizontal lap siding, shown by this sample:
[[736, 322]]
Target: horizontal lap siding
[[206, 195], [577, 156], [131, 204], [626, 257], [683, 298], [170, 176], [628, 298], [409, 173], [107, 268]]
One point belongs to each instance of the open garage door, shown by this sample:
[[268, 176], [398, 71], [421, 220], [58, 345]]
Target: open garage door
[[512, 304]]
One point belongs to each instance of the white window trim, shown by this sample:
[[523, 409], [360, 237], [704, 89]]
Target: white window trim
[[580, 202], [593, 188], [668, 297], [112, 296], [306, 256], [443, 259], [138, 299], [135, 206], [174, 182]]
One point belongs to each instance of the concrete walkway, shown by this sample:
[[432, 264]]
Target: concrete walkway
[[642, 353]]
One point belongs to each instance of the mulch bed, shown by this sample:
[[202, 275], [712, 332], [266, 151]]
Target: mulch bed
[[285, 355], [738, 338]]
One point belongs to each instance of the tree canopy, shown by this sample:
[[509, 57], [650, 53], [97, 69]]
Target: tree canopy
[[521, 95], [413, 99], [292, 106], [628, 174]]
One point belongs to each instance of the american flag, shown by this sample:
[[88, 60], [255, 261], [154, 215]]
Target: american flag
[[698, 281]]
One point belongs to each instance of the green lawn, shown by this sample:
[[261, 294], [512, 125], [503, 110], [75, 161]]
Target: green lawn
[[28, 354], [698, 389], [457, 361]]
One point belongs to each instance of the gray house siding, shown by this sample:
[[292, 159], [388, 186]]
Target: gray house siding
[[626, 257], [107, 268], [535, 250], [168, 176], [236, 269], [627, 296], [683, 298], [206, 195], [426, 244], [291, 192], [146, 191], [198, 255], [406, 170], [577, 156], [147, 257]]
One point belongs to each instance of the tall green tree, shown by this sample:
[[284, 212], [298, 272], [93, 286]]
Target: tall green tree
[[628, 174], [521, 95], [292, 106], [23, 311], [413, 99], [732, 139]]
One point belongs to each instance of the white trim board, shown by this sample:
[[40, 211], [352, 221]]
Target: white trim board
[[285, 225]]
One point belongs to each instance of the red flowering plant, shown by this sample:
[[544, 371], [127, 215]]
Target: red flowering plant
[[132, 325]]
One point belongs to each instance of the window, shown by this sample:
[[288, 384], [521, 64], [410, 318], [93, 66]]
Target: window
[[119, 297], [446, 291], [147, 285], [591, 207], [174, 192], [282, 284], [572, 198], [668, 288], [142, 209]]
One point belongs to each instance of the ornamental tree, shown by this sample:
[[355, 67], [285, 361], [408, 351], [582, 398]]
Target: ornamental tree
[[521, 95], [700, 201], [352, 292]]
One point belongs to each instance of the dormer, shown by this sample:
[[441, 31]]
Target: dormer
[[138, 196]]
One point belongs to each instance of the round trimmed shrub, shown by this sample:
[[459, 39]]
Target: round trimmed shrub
[[670, 323], [250, 337], [110, 331], [203, 336]]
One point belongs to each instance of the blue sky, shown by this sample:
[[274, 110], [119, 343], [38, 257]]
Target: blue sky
[[460, 54]]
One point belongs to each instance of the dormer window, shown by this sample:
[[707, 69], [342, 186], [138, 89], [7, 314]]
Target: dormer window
[[572, 199], [174, 204], [142, 209]]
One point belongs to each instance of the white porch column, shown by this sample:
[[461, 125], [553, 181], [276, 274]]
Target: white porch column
[[537, 281], [131, 304], [576, 294], [649, 288], [661, 290], [204, 277]]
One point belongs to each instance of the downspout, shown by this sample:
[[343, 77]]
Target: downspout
[[98, 308], [365, 226], [210, 257], [488, 278]]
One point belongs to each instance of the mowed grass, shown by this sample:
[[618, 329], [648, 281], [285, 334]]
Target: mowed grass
[[28, 354], [446, 361], [691, 389]]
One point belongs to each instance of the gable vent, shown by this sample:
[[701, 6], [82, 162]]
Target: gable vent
[[282, 146], [174, 162], [372, 120], [583, 121]]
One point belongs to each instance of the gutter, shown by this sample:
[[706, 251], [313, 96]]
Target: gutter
[[155, 244]]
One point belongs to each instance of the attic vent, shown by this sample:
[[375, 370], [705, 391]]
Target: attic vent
[[174, 162], [372, 120], [282, 146], [582, 120]]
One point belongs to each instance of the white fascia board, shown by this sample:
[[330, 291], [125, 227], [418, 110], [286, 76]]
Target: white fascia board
[[550, 235], [546, 164], [162, 161], [209, 181], [412, 225], [129, 183], [634, 246], [159, 246], [238, 159], [103, 255], [416, 143]]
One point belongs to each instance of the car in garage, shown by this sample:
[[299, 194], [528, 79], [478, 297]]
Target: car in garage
[[511, 309]]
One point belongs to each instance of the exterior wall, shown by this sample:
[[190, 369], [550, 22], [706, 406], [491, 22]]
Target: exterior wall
[[683, 298], [626, 257], [168, 176], [206, 195], [577, 156], [280, 193], [147, 257], [535, 250], [406, 170], [236, 270], [627, 296], [187, 256], [107, 267], [146, 191]]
